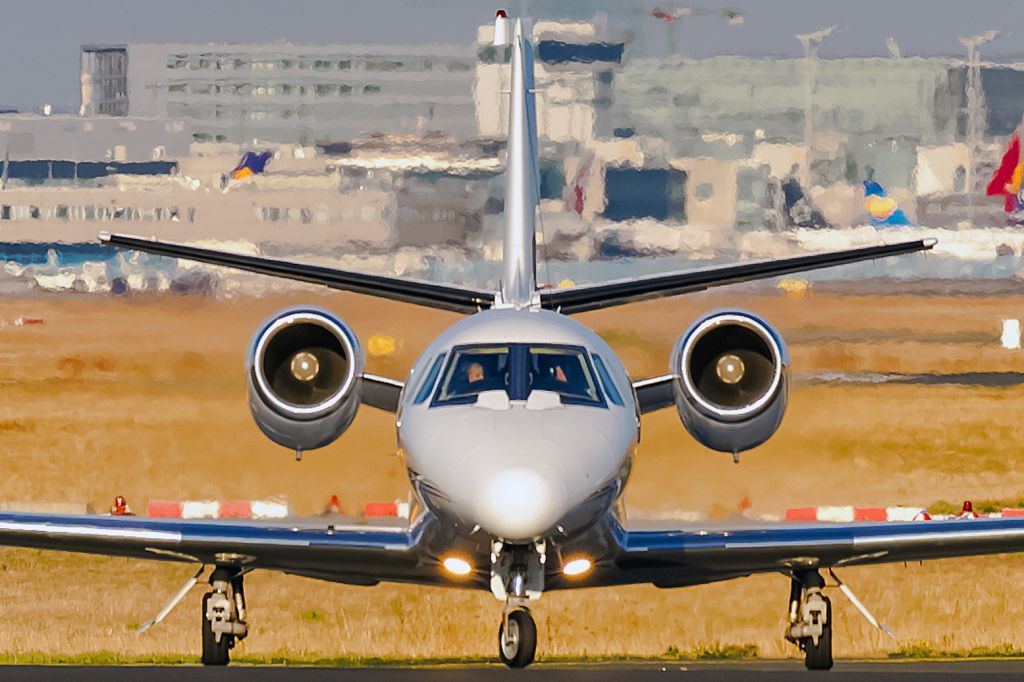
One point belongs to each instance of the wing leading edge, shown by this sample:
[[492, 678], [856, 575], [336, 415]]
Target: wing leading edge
[[668, 556], [351, 553], [607, 294], [443, 296]]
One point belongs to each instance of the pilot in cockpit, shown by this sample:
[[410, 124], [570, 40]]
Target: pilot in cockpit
[[559, 374], [474, 373]]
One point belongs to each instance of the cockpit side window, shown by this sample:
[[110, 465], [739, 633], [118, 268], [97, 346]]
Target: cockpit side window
[[606, 381], [473, 370], [564, 370], [428, 382]]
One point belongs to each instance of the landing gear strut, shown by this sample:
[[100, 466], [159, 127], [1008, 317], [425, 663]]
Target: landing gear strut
[[517, 578], [223, 615], [810, 620]]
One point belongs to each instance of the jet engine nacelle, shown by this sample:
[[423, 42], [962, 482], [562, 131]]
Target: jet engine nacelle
[[303, 370], [731, 380]]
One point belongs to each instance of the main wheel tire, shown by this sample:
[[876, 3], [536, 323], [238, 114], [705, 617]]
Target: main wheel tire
[[820, 657], [214, 653], [521, 647]]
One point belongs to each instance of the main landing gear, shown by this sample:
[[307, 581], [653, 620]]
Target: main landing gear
[[810, 620], [223, 615]]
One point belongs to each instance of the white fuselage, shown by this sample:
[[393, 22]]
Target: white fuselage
[[519, 462]]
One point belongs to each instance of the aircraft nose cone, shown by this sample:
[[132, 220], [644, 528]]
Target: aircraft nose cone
[[519, 504]]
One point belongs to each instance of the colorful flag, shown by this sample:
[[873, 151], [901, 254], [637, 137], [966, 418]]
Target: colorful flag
[[251, 164], [1006, 180], [882, 208]]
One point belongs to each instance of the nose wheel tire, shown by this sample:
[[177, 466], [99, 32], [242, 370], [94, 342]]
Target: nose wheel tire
[[214, 653], [517, 641], [820, 657]]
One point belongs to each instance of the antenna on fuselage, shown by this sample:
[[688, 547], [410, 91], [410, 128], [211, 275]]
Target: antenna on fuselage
[[519, 266]]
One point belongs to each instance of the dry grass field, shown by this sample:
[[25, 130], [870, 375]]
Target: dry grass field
[[145, 397]]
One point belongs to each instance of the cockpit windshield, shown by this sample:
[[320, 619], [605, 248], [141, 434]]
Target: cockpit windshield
[[564, 370], [518, 369], [473, 370]]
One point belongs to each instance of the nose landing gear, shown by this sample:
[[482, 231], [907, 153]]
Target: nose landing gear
[[517, 638], [517, 578]]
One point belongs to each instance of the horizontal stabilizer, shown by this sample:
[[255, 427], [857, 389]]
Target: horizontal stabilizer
[[607, 294], [444, 296]]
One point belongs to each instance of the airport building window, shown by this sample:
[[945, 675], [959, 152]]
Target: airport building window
[[704, 190], [382, 65], [5, 212], [492, 55]]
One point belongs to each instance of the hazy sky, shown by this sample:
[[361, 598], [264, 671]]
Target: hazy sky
[[40, 39]]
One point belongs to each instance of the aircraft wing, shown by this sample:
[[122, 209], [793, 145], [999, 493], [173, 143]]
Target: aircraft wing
[[319, 547], [654, 393], [675, 554], [586, 297], [383, 393], [444, 296]]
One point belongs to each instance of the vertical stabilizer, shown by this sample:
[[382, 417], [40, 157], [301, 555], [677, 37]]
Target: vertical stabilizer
[[519, 277]]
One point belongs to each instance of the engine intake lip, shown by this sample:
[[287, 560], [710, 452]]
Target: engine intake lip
[[766, 335], [338, 331]]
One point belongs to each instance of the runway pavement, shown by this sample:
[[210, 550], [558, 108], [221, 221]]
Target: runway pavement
[[719, 671]]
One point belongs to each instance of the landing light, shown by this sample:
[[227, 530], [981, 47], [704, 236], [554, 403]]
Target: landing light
[[456, 565], [576, 566]]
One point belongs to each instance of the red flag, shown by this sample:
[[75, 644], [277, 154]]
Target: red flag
[[1004, 174]]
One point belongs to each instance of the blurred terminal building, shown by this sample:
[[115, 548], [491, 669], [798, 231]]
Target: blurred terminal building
[[399, 146]]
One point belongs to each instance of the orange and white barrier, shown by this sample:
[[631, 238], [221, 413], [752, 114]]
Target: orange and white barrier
[[848, 514], [273, 508], [397, 508], [22, 322]]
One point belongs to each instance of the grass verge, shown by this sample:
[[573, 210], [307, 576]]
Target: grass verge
[[923, 650]]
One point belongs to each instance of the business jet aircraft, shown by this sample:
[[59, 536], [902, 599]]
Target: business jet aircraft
[[518, 427]]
